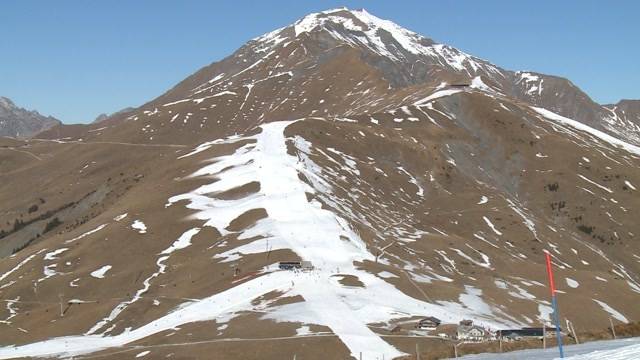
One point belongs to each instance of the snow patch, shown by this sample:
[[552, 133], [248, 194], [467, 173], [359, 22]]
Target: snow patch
[[140, 226], [53, 254], [572, 283], [99, 274]]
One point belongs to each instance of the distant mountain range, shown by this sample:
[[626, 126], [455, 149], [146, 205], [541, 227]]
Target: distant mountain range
[[22, 123], [103, 117]]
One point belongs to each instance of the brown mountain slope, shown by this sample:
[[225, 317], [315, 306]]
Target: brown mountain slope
[[410, 195]]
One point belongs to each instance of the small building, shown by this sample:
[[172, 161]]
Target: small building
[[428, 323], [509, 335], [469, 332], [526, 332], [290, 265], [295, 265]]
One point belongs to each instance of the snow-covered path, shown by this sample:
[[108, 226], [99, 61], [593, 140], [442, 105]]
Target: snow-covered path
[[623, 349], [315, 234]]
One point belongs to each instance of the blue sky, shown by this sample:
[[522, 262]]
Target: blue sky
[[75, 59]]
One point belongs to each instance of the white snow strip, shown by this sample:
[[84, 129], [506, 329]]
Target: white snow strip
[[525, 220], [216, 78], [480, 237], [580, 126], [615, 314], [120, 217], [86, 234], [596, 184], [78, 301], [414, 181], [436, 95], [183, 241], [205, 146], [485, 264], [176, 102], [5, 275], [490, 224]]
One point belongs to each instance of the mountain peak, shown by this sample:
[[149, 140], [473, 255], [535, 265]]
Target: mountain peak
[[356, 20], [360, 27], [394, 56], [6, 102], [405, 56], [18, 122], [357, 28]]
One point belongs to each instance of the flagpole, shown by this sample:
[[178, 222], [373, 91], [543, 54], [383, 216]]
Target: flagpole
[[554, 302]]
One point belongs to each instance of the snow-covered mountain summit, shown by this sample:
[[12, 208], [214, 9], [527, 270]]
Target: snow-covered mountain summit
[[384, 38], [362, 28]]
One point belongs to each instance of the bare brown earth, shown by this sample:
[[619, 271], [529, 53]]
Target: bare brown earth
[[193, 276], [419, 184]]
